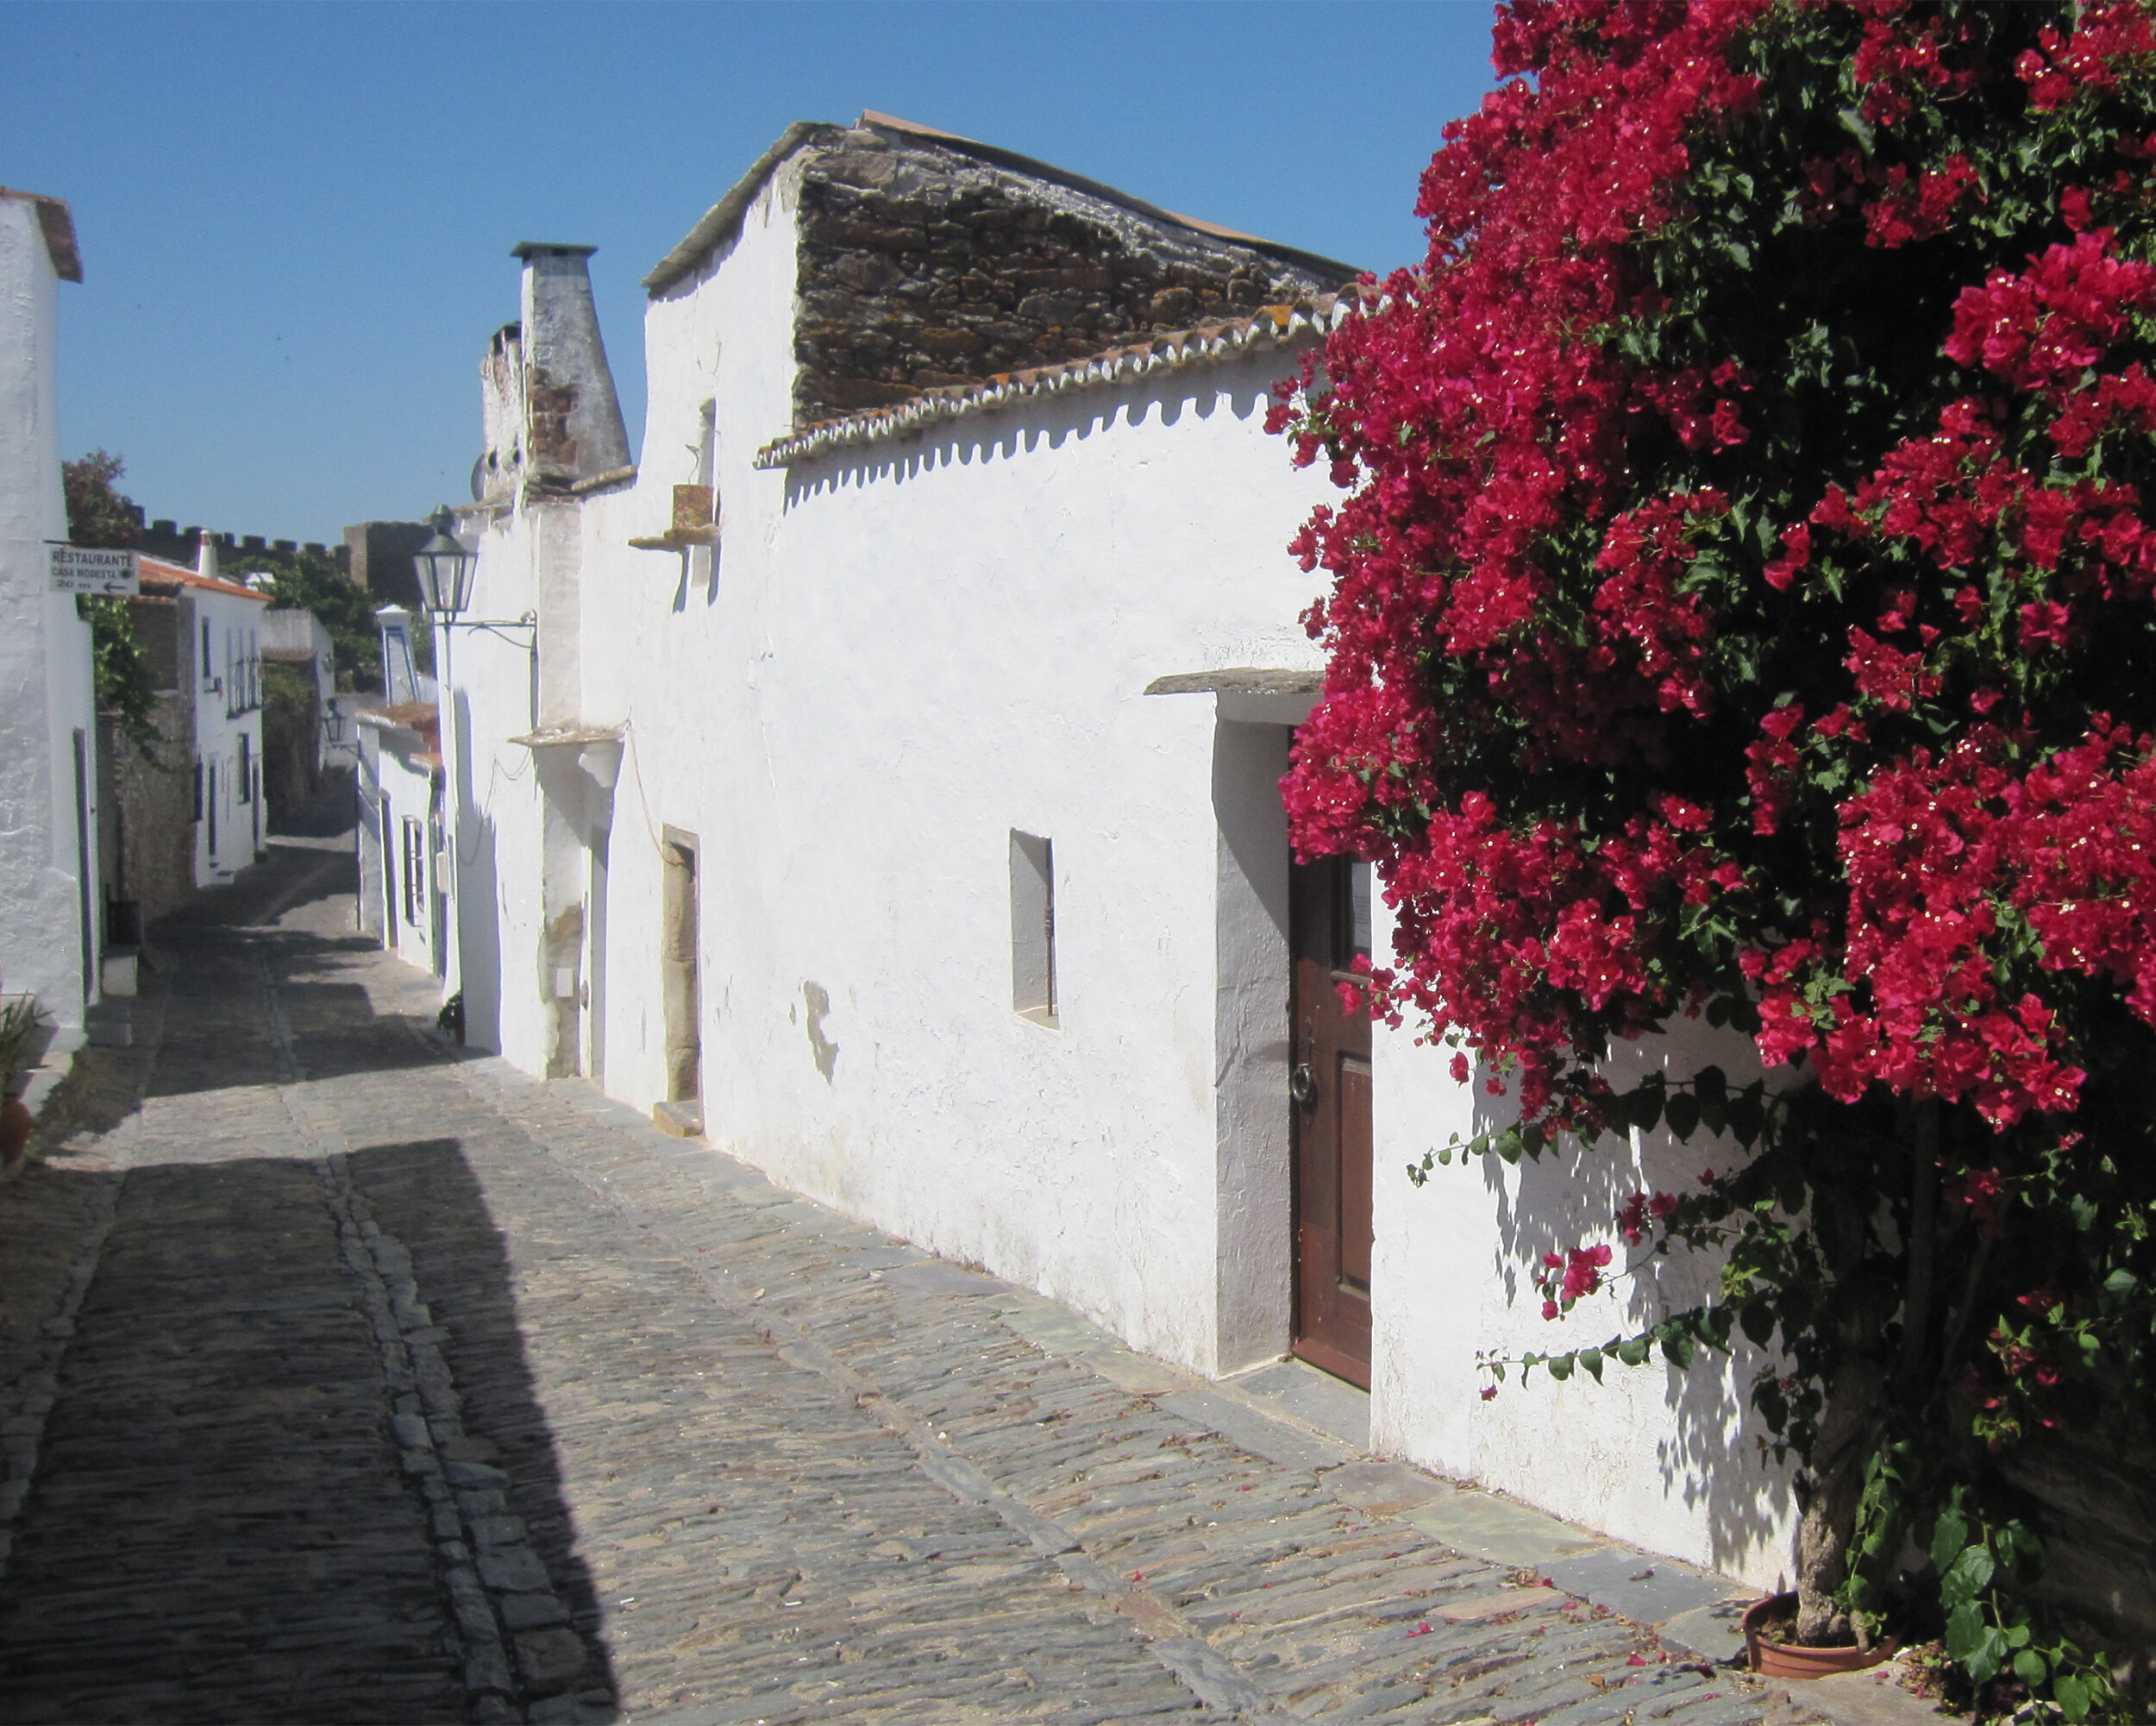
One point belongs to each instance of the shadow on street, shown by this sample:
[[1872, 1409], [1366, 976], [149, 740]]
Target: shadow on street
[[210, 1499]]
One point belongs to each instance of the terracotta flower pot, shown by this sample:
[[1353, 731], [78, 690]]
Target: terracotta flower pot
[[15, 1130], [1793, 1660]]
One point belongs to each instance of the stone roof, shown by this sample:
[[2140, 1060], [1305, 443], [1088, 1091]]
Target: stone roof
[[723, 220], [1270, 326]]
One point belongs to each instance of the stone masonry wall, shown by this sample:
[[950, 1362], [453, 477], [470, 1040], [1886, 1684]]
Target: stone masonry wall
[[148, 836], [922, 267]]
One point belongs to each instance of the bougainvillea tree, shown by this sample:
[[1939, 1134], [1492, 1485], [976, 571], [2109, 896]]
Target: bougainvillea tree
[[1743, 604]]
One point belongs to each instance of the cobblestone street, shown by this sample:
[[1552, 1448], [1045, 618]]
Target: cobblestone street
[[345, 1379]]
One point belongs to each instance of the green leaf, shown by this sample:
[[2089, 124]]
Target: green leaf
[[2031, 1667], [2013, 1542], [2072, 1696], [1965, 1626], [1757, 1316], [1560, 1366], [1632, 1351], [1949, 1536], [1967, 1577], [1591, 1360], [1987, 1657]]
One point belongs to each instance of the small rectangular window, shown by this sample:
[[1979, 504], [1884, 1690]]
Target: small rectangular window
[[206, 650], [1032, 928], [414, 871], [198, 788], [246, 768]]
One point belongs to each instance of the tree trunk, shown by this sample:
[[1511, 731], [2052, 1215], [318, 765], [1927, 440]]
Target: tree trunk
[[1836, 1475], [1848, 1423]]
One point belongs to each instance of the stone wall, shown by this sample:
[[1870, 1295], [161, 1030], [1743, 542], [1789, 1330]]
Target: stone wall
[[922, 267], [2092, 1495], [167, 539], [148, 835], [379, 557], [291, 739]]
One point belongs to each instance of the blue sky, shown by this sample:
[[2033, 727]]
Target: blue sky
[[296, 218]]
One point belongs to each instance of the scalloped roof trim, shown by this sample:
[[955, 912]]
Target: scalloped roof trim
[[1268, 326]]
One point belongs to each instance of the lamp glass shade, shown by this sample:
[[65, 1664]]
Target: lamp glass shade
[[445, 575]]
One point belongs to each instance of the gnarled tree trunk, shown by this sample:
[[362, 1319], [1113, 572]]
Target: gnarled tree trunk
[[1836, 1483]]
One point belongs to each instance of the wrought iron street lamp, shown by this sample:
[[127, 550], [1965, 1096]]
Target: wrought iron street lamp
[[445, 570]]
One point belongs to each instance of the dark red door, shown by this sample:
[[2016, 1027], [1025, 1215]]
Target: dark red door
[[1329, 925]]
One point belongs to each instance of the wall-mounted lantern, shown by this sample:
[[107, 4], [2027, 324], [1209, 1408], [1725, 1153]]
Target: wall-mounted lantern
[[445, 570]]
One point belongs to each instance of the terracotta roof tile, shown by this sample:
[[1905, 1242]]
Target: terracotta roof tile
[[176, 575]]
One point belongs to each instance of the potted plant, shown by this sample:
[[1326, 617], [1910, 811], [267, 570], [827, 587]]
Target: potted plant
[[1771, 1648], [20, 1022]]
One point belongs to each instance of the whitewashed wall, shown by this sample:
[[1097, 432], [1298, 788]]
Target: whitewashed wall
[[235, 624], [906, 656], [390, 772], [941, 641], [1669, 1460], [46, 693]]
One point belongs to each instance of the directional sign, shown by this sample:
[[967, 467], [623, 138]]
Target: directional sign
[[84, 569]]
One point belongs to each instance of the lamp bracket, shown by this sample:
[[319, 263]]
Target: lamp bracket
[[493, 626]]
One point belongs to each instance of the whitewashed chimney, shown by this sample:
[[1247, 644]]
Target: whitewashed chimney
[[573, 423]]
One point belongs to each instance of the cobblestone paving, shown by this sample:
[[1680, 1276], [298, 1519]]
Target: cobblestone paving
[[349, 1381]]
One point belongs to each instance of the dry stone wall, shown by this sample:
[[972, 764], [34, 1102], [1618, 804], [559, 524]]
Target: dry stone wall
[[922, 267]]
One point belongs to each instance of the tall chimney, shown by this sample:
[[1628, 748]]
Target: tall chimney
[[573, 423], [206, 555]]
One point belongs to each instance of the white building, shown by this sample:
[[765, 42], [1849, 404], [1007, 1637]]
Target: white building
[[883, 775], [401, 831], [50, 896], [223, 623]]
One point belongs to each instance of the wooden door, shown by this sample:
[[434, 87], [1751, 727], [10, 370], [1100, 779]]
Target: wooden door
[[1329, 925], [681, 985]]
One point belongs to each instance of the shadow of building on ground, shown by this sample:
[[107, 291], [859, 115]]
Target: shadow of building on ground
[[213, 1514]]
